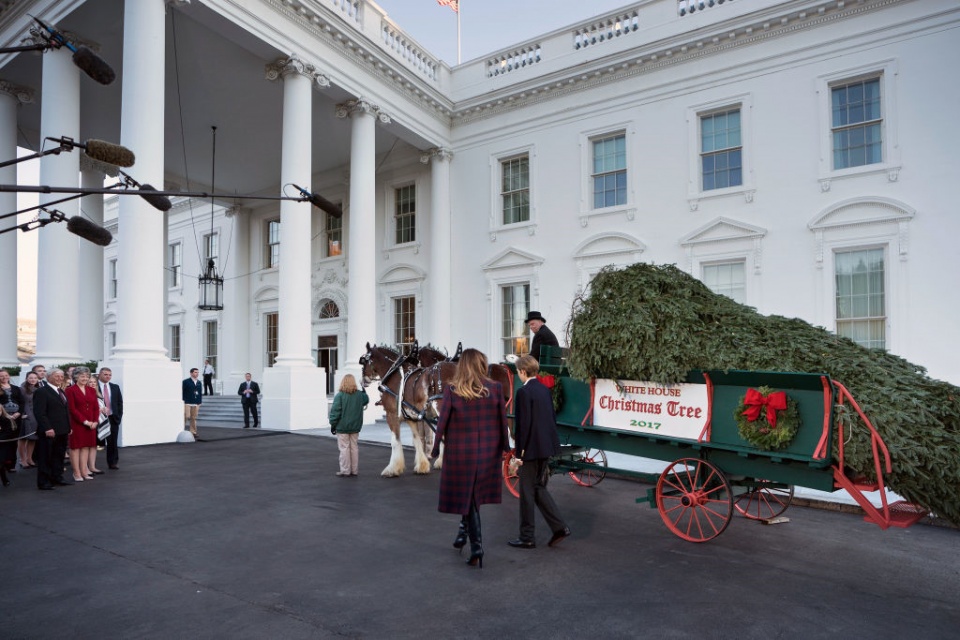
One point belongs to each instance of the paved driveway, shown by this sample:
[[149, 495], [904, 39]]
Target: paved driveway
[[250, 535]]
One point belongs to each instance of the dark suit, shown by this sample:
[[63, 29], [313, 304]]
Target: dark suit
[[116, 415], [50, 410], [249, 402], [536, 441], [542, 337]]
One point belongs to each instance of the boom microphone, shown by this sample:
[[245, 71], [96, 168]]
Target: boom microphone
[[320, 202], [161, 203], [91, 231], [85, 59], [101, 150]]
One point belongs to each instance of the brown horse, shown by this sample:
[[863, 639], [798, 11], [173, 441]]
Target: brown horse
[[407, 393]]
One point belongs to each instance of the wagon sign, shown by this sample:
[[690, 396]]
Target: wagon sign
[[676, 411]]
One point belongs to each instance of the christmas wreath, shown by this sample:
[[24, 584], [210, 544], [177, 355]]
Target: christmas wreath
[[556, 389], [772, 429]]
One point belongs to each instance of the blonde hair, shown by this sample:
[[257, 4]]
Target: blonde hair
[[529, 365], [348, 384], [470, 375]]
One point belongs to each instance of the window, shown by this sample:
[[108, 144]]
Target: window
[[721, 150], [515, 300], [329, 310], [175, 342], [273, 337], [856, 124], [609, 171], [404, 322], [273, 243], [176, 263], [210, 341], [860, 300], [405, 214], [515, 189], [727, 278], [211, 247], [112, 284], [112, 340], [334, 231]]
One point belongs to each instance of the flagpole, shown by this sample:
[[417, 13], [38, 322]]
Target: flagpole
[[458, 33]]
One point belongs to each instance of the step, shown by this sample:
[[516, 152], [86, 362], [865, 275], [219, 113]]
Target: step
[[903, 514]]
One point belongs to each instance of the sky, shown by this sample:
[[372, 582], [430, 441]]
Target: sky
[[486, 26]]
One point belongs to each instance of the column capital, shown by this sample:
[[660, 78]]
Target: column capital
[[234, 211], [24, 95], [362, 105], [89, 164], [436, 153], [283, 67]]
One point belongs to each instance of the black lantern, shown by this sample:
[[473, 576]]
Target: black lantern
[[211, 289]]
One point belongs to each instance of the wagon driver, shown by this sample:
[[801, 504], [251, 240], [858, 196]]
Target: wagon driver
[[541, 333]]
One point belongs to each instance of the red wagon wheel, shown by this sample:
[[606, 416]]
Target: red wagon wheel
[[590, 477], [764, 501], [510, 478], [694, 499]]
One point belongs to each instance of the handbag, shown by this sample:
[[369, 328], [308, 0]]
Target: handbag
[[103, 429]]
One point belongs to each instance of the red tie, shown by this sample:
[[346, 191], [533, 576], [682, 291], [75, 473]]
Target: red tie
[[106, 397]]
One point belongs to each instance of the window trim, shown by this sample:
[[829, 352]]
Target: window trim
[[113, 282], [390, 219], [887, 301], [214, 234], [394, 299], [400, 281], [496, 224], [177, 283], [510, 266], [266, 313], [629, 208], [720, 260], [887, 71], [268, 246], [179, 351], [746, 188]]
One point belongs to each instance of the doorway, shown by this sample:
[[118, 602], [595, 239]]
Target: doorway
[[327, 358]]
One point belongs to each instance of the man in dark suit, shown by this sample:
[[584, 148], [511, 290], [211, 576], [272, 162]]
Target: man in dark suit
[[536, 441], [541, 334], [192, 398], [53, 427], [249, 391], [112, 407]]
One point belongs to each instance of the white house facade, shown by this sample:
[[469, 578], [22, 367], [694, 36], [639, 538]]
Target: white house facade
[[795, 155]]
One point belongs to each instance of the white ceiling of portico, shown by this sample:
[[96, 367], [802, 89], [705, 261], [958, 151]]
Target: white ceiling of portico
[[215, 75]]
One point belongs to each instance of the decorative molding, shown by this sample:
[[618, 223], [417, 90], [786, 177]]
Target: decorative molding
[[24, 95], [510, 258], [283, 67], [863, 212], [362, 105], [234, 211], [436, 153], [720, 231]]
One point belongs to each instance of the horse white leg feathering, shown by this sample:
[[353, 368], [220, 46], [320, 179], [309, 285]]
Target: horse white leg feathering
[[396, 465], [421, 463], [438, 463]]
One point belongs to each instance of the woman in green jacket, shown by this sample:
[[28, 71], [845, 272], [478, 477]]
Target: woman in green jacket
[[346, 418]]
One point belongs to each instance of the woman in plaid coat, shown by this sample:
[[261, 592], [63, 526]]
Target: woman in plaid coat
[[473, 428]]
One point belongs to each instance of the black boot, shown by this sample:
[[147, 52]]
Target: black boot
[[3, 475], [476, 545], [461, 539]]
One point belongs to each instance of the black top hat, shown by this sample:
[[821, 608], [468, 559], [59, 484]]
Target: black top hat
[[535, 315]]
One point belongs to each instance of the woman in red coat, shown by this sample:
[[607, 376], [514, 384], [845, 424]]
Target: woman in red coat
[[473, 428], [84, 411]]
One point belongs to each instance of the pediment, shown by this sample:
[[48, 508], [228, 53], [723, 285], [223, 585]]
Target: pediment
[[862, 211], [511, 257], [173, 309], [723, 230], [269, 292], [402, 273], [606, 244]]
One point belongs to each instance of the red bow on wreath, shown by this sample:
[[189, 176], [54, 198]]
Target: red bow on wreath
[[548, 380], [755, 401]]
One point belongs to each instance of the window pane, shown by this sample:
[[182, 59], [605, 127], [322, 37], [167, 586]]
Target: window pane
[[515, 185], [721, 151], [857, 132], [515, 305], [727, 279], [860, 301]]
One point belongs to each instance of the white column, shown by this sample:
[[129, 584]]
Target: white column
[[91, 267], [236, 293], [438, 322], [294, 394], [10, 98], [152, 407], [58, 295]]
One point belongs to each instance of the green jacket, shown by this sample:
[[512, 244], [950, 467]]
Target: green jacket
[[346, 414]]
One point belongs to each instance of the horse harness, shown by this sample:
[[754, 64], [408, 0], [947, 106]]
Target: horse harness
[[407, 410]]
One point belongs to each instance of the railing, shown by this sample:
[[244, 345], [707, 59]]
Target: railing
[[505, 63], [685, 7], [412, 54], [350, 8], [606, 29]]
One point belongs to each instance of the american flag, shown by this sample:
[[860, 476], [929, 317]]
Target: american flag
[[453, 4]]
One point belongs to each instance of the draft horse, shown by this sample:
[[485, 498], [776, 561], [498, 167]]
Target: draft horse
[[407, 393]]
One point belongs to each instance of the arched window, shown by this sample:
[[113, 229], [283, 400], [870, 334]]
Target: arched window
[[329, 309]]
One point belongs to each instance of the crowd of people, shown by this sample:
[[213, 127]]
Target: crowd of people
[[56, 418]]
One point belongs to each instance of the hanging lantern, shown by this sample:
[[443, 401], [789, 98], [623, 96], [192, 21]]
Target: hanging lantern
[[211, 289]]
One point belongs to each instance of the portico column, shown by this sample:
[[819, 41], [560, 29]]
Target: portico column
[[438, 320], [294, 393], [58, 296], [361, 222], [11, 96], [91, 265], [152, 407]]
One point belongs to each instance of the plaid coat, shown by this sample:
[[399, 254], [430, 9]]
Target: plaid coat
[[474, 433]]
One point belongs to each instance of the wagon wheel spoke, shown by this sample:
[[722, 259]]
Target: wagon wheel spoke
[[694, 499], [512, 480], [764, 501], [593, 475]]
